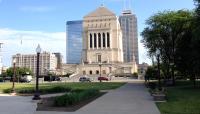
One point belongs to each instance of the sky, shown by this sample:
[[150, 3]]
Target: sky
[[26, 23]]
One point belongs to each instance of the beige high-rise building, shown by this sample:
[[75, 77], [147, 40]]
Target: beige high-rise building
[[102, 37], [47, 63], [128, 22]]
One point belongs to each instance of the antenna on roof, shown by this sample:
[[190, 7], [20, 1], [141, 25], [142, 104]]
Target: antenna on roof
[[127, 7], [102, 4], [124, 3], [129, 4]]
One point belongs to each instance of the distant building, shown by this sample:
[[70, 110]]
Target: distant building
[[74, 42], [59, 60], [142, 68], [1, 64], [48, 62], [128, 22]]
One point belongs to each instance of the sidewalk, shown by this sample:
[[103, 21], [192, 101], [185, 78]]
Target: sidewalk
[[132, 98]]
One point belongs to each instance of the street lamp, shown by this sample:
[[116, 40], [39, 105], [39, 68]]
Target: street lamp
[[37, 94], [158, 60], [100, 71], [110, 70], [14, 75]]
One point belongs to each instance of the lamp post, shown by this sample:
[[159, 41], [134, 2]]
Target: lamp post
[[37, 94], [110, 70], [100, 71], [14, 75], [158, 60]]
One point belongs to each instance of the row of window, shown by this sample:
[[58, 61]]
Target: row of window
[[97, 72], [94, 38], [99, 25], [98, 20]]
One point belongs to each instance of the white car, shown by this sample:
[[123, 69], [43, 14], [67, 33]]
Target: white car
[[84, 79], [26, 78]]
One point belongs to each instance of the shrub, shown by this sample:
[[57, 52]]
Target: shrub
[[75, 97], [7, 91], [44, 90], [56, 89], [152, 85]]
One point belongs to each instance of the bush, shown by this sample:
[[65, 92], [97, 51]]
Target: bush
[[56, 89], [47, 90], [75, 97], [152, 85], [7, 91]]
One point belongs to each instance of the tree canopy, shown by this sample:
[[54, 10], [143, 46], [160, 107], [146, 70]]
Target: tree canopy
[[19, 71], [170, 34]]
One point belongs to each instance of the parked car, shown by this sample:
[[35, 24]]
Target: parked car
[[102, 78], [84, 79], [58, 79], [26, 78]]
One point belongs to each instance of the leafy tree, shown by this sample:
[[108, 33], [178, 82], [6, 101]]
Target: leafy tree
[[19, 71], [162, 34], [150, 73], [196, 41]]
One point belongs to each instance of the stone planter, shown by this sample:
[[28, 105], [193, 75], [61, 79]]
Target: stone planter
[[159, 97]]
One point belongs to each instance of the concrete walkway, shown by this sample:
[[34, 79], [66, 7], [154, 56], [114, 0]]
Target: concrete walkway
[[16, 105], [132, 98]]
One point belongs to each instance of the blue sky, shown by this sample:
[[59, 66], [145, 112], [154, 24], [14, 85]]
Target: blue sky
[[44, 21]]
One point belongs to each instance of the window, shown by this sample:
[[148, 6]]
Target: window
[[90, 72], [108, 40], [95, 40], [104, 71], [97, 72], [84, 73], [90, 40], [99, 39], [99, 58], [104, 40]]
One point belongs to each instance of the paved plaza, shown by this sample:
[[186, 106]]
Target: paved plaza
[[132, 98]]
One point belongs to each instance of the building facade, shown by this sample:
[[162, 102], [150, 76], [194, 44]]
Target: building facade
[[128, 22], [102, 52], [48, 62], [74, 42], [59, 60], [102, 37]]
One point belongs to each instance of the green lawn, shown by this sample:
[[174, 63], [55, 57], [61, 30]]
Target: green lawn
[[181, 99], [97, 85]]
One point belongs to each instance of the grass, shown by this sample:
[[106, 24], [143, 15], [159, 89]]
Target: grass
[[181, 99], [97, 85]]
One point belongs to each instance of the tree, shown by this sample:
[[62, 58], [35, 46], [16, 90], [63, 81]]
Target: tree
[[19, 71], [150, 73], [196, 41], [162, 34]]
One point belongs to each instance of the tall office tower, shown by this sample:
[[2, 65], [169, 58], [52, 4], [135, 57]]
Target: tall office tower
[[128, 22], [48, 62], [74, 42], [1, 64]]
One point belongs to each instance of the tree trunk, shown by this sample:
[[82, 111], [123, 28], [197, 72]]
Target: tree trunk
[[194, 80]]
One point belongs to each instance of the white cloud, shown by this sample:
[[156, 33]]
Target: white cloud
[[36, 8], [26, 41]]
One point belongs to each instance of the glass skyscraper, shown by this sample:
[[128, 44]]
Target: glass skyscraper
[[74, 41], [128, 22]]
